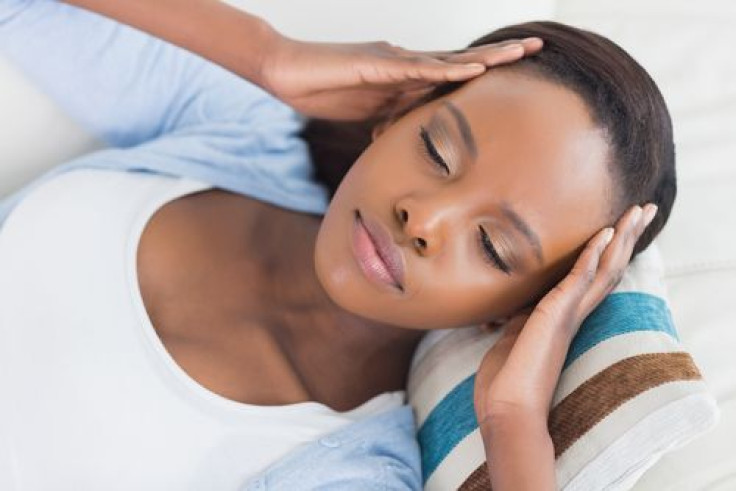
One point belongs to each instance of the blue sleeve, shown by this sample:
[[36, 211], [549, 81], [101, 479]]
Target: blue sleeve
[[166, 110], [123, 85], [379, 452]]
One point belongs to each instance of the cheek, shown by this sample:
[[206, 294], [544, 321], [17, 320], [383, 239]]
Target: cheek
[[462, 297]]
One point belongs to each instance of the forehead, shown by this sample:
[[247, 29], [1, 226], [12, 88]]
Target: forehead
[[539, 150]]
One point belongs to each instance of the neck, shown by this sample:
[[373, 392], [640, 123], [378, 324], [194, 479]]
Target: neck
[[342, 358], [323, 334]]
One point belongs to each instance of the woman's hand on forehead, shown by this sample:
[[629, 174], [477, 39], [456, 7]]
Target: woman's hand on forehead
[[353, 81]]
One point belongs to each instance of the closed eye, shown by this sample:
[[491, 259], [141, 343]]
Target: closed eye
[[489, 252], [430, 151]]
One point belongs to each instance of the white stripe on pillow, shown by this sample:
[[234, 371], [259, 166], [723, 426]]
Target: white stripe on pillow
[[608, 353], [440, 370], [626, 367], [464, 459], [616, 425], [684, 419]]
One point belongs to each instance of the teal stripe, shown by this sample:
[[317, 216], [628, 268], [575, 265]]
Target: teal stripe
[[449, 422], [454, 416], [621, 313]]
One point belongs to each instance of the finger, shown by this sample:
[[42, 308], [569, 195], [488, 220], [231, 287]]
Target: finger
[[618, 254], [583, 273], [445, 67], [406, 66], [436, 71], [530, 45], [497, 54], [489, 54], [561, 303], [615, 260]]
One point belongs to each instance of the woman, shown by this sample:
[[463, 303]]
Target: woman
[[222, 319]]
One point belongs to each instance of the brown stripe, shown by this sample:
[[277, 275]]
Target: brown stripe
[[611, 388], [478, 480]]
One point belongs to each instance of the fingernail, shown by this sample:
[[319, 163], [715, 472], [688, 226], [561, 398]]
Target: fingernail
[[512, 46], [607, 236], [475, 67], [636, 218], [649, 214]]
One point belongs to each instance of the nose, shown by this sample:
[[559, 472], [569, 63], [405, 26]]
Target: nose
[[425, 224]]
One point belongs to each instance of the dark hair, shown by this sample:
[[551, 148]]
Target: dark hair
[[622, 99]]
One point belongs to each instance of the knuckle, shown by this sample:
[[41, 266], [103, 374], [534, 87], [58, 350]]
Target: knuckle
[[586, 275], [589, 276], [630, 235], [413, 58], [614, 278]]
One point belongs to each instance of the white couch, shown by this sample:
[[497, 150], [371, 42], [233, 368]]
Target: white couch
[[686, 46]]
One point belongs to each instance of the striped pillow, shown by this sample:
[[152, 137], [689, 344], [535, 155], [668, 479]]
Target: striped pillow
[[628, 393]]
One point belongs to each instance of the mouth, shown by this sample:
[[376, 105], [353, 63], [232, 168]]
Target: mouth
[[377, 255]]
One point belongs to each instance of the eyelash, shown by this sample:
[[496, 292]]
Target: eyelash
[[489, 251], [491, 255], [431, 152]]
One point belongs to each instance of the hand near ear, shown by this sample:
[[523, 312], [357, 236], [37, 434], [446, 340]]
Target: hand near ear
[[516, 380], [354, 81], [523, 367]]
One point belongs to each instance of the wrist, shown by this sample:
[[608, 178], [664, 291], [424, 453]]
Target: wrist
[[519, 451], [512, 416], [266, 43]]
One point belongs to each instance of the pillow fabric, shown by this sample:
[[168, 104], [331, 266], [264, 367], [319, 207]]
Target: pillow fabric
[[628, 393]]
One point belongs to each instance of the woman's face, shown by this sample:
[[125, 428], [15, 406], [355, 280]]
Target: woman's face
[[527, 187]]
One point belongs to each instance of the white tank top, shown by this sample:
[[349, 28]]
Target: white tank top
[[89, 396]]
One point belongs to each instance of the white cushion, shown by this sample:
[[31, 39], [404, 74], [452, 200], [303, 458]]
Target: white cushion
[[36, 135], [687, 47], [628, 393]]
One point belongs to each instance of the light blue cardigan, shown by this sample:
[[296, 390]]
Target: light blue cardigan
[[164, 110]]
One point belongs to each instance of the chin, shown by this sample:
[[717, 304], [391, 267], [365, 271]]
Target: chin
[[333, 276]]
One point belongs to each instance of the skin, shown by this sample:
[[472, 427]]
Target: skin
[[313, 305], [550, 169], [304, 309]]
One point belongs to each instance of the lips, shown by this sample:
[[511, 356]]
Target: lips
[[376, 252]]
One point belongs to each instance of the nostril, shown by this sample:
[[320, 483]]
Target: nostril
[[404, 216], [420, 243]]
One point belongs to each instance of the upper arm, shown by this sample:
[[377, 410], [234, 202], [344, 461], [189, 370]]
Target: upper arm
[[123, 85]]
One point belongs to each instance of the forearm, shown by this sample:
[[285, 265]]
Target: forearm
[[519, 451], [212, 29]]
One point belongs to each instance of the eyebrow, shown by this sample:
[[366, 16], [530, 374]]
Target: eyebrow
[[524, 228], [506, 208], [464, 127]]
